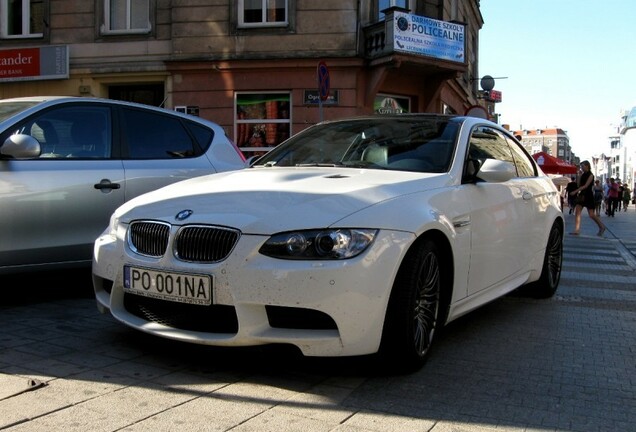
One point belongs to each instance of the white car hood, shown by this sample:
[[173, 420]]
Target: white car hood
[[268, 200]]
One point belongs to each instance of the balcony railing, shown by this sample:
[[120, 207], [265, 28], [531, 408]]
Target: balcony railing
[[378, 39]]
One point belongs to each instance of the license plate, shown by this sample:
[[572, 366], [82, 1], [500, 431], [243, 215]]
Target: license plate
[[170, 286]]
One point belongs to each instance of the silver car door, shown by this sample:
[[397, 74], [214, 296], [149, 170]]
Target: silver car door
[[52, 208]]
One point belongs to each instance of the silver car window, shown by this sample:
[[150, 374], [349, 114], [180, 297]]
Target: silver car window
[[156, 136], [72, 132]]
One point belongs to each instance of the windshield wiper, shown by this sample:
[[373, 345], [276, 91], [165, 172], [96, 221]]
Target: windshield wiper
[[357, 164], [321, 164]]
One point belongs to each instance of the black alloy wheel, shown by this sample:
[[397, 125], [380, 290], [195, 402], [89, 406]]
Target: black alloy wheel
[[414, 309], [548, 282]]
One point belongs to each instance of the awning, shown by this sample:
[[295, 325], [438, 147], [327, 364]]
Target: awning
[[551, 165]]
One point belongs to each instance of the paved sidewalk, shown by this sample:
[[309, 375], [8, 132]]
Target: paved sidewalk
[[621, 228], [519, 364]]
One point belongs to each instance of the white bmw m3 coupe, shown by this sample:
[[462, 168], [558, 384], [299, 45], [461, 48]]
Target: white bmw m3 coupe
[[360, 236]]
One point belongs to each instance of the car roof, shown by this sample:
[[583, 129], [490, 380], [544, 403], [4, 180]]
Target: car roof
[[51, 100], [46, 101], [411, 116]]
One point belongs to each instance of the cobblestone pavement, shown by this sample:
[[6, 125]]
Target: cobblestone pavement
[[518, 364]]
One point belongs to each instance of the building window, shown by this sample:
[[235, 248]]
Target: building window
[[261, 121], [263, 13], [21, 18], [385, 4], [126, 16]]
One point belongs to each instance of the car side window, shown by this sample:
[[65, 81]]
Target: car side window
[[525, 168], [72, 132], [156, 136], [203, 135], [487, 143]]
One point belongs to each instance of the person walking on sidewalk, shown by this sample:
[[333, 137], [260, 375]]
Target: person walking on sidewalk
[[606, 200], [627, 196], [612, 195], [598, 195], [585, 198]]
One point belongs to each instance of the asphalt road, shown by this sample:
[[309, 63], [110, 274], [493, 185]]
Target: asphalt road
[[518, 364]]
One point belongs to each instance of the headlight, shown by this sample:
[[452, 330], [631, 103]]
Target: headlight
[[112, 225], [328, 244]]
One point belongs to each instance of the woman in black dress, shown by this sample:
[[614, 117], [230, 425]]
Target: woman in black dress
[[586, 200]]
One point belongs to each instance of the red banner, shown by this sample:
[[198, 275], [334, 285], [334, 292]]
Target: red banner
[[20, 63]]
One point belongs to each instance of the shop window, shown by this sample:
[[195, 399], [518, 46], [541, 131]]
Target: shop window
[[263, 13], [126, 16], [21, 18], [262, 121]]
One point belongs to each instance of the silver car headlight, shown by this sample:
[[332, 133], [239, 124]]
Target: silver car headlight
[[327, 244], [112, 225]]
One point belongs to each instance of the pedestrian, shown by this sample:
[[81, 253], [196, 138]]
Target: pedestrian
[[598, 195], [606, 188], [568, 193], [612, 196], [586, 199], [627, 195], [621, 189]]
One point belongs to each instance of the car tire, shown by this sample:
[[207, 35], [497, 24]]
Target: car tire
[[414, 310], [548, 282]]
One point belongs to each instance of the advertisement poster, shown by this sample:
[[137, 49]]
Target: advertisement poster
[[31, 64], [390, 104], [426, 36]]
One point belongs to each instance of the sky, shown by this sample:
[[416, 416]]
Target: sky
[[569, 64]]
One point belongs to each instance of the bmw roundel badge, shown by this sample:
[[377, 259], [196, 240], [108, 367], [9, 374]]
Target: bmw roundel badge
[[183, 215]]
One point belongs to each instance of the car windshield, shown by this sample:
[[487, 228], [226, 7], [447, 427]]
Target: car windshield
[[7, 109], [420, 144]]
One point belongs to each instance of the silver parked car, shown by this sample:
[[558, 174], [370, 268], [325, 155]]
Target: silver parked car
[[67, 163]]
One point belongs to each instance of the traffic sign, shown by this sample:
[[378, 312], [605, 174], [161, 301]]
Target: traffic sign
[[324, 84]]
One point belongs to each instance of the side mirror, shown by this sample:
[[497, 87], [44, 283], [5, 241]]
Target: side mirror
[[496, 171], [20, 146]]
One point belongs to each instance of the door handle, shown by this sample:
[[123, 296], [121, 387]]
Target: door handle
[[106, 184]]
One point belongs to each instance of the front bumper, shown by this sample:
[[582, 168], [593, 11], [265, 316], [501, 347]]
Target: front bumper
[[325, 308]]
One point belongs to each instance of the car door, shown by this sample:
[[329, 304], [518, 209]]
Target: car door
[[54, 206], [537, 198], [159, 150], [498, 215]]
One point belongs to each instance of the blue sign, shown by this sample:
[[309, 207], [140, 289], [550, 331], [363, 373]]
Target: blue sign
[[427, 36]]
